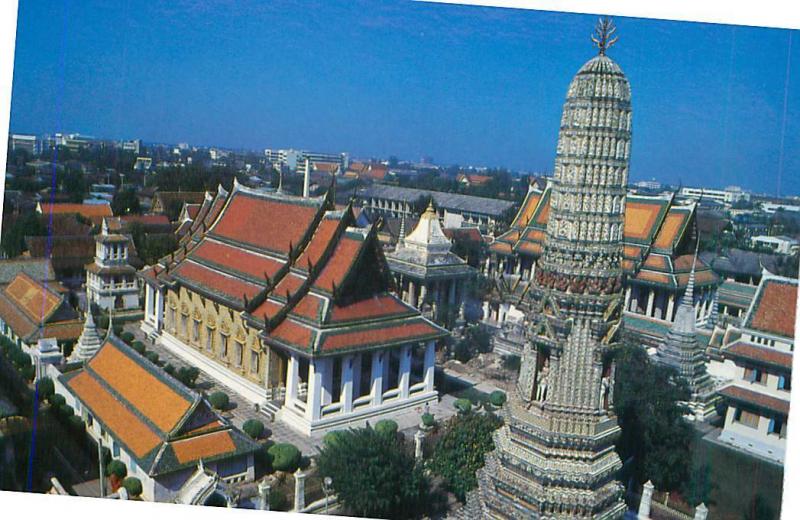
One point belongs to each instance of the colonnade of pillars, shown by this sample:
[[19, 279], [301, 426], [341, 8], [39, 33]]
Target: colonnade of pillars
[[415, 293], [662, 305], [352, 383], [153, 306]]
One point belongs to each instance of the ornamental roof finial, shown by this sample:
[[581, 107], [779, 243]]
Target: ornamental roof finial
[[603, 36]]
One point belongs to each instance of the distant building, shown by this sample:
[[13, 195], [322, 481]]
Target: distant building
[[781, 244], [473, 180], [170, 203], [111, 281], [772, 207], [134, 145], [161, 430], [94, 212], [296, 159], [31, 310], [394, 201], [143, 164], [29, 143], [652, 185], [760, 356], [730, 195]]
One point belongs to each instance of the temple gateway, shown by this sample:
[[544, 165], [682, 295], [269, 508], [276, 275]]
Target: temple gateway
[[284, 301]]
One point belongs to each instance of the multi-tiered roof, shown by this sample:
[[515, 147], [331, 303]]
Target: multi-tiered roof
[[159, 422], [295, 268]]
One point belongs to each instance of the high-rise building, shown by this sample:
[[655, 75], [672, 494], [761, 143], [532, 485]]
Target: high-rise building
[[554, 456]]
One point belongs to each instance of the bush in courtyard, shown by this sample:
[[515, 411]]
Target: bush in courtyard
[[285, 457], [56, 400], [118, 330], [277, 500], [216, 500], [169, 369], [188, 375], [219, 400], [133, 486], [463, 405], [512, 363], [331, 438], [497, 398], [386, 427], [117, 469], [253, 427], [28, 372], [127, 337], [152, 356], [75, 423], [138, 346], [428, 420], [46, 388], [65, 411]]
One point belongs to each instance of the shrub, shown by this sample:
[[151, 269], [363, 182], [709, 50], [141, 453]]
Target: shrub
[[332, 438], [56, 400], [463, 405], [169, 369], [217, 500], [75, 423], [138, 346], [152, 356], [428, 420], [188, 375], [28, 372], [127, 337], [285, 457], [46, 388], [65, 411], [512, 363], [118, 330], [219, 400], [253, 427], [497, 398], [117, 468], [386, 427], [67, 347], [133, 486], [102, 322], [277, 500]]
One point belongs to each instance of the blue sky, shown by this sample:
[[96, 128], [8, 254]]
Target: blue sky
[[466, 85]]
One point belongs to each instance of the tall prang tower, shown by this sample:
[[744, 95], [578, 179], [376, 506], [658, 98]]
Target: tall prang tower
[[554, 457]]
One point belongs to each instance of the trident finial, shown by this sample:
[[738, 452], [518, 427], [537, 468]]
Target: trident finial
[[603, 36]]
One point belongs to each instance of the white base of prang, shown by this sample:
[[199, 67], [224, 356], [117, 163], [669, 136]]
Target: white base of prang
[[298, 421], [247, 389]]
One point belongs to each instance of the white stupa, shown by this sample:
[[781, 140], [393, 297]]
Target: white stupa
[[89, 342]]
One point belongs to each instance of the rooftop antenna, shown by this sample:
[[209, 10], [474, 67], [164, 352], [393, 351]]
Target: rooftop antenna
[[603, 36]]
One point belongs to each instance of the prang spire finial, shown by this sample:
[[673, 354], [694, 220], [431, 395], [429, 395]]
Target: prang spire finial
[[603, 36]]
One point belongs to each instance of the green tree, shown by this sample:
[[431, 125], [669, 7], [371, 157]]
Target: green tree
[[655, 435], [374, 475], [125, 202], [13, 239], [460, 451]]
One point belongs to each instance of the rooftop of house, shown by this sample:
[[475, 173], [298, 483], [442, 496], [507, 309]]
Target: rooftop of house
[[34, 309], [773, 308], [165, 426], [453, 202]]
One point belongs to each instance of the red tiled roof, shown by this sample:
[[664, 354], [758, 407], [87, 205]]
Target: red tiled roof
[[215, 280], [322, 237], [766, 355], [756, 398], [342, 259], [775, 308], [669, 233], [32, 297], [237, 259], [379, 306], [269, 224], [379, 336]]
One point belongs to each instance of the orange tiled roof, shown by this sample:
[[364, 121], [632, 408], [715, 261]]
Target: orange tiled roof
[[640, 219], [131, 430], [32, 297], [92, 211], [203, 446], [669, 233], [775, 306], [155, 400]]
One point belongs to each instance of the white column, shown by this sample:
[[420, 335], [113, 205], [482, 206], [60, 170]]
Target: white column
[[430, 364], [412, 293], [292, 376], [627, 298], [452, 297], [148, 303], [650, 297], [646, 502], [325, 367], [159, 309], [314, 397], [404, 372], [670, 306], [347, 385], [701, 513], [299, 491], [357, 360], [422, 291], [376, 388]]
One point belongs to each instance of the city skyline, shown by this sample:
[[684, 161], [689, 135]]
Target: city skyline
[[409, 80]]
